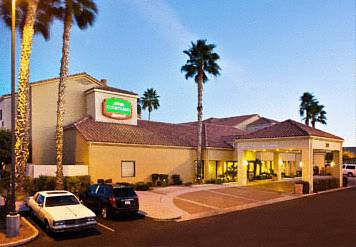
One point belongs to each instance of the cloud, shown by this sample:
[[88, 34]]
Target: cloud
[[160, 14]]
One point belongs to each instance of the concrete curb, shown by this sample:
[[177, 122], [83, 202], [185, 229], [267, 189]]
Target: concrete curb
[[25, 240]]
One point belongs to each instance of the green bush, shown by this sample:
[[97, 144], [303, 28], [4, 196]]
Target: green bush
[[155, 178], [141, 186], [344, 181], [73, 184], [325, 184], [219, 181], [210, 181], [176, 179]]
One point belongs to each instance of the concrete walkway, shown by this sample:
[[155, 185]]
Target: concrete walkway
[[185, 203]]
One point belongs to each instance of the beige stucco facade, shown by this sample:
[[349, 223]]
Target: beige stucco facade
[[43, 113]]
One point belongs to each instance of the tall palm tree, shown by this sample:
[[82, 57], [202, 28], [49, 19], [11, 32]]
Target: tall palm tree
[[33, 16], [306, 102], [150, 101], [201, 61], [318, 114], [84, 13]]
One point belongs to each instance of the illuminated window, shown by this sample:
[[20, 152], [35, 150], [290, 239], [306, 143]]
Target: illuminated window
[[128, 169]]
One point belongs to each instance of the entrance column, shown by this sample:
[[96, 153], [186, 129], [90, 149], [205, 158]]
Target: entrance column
[[336, 171], [307, 166], [277, 166], [241, 167]]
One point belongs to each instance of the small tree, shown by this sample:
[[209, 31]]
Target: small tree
[[231, 172], [5, 147]]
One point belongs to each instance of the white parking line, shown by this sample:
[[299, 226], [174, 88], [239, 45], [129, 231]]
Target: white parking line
[[106, 227], [235, 196]]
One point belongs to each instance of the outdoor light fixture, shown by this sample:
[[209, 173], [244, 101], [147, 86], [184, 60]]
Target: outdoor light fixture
[[300, 164], [332, 164]]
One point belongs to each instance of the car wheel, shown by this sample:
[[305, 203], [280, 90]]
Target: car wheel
[[47, 227], [104, 212], [350, 174]]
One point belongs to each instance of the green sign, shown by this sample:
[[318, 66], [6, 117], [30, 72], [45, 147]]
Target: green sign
[[117, 108]]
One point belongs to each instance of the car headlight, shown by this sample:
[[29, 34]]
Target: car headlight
[[91, 219], [58, 223]]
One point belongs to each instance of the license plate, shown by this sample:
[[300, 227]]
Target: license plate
[[127, 202]]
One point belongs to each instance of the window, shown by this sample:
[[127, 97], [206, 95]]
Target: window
[[40, 200], [0, 114], [128, 169], [92, 189], [351, 167]]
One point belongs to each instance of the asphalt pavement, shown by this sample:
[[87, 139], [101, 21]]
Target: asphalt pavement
[[327, 219]]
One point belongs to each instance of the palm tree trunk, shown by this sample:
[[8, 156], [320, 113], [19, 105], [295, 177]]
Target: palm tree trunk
[[200, 125], [307, 118], [149, 115], [22, 125], [60, 101]]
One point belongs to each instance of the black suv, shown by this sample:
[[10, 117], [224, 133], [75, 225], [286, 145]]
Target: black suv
[[109, 199]]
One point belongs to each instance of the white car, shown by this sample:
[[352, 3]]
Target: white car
[[349, 170], [60, 211]]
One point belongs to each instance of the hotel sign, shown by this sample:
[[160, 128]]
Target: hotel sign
[[117, 108]]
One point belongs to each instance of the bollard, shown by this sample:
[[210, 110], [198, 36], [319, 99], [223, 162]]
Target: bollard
[[12, 225]]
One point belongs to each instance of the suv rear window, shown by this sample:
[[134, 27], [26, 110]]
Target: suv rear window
[[124, 192], [350, 167]]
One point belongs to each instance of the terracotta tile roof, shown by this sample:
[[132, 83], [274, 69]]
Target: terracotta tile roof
[[263, 120], [155, 133], [113, 89], [229, 121], [288, 128]]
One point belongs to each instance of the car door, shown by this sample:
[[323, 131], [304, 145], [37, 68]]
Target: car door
[[90, 197], [38, 206]]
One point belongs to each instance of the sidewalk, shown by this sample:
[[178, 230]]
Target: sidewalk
[[27, 233], [184, 203]]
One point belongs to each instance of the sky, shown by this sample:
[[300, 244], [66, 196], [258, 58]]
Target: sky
[[272, 51]]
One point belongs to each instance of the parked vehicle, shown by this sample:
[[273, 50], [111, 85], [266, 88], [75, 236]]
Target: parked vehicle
[[60, 211], [349, 170], [110, 199]]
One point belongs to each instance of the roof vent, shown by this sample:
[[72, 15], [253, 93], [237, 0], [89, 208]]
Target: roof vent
[[104, 82]]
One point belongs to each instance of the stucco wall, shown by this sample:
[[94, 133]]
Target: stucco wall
[[105, 162], [44, 108]]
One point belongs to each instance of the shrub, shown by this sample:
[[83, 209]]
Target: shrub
[[74, 184], [344, 181], [164, 179], [325, 184], [219, 181], [315, 170], [210, 181], [154, 178], [176, 179], [141, 186], [149, 184], [188, 184]]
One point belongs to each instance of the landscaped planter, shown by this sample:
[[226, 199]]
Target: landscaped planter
[[298, 189]]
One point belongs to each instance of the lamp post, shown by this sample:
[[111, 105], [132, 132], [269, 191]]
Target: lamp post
[[13, 219]]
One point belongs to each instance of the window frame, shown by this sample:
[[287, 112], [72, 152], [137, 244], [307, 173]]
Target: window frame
[[134, 168]]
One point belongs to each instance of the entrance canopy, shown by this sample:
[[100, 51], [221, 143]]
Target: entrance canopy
[[286, 139]]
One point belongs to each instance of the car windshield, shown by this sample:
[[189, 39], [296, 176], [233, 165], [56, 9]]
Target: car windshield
[[124, 192], [55, 201]]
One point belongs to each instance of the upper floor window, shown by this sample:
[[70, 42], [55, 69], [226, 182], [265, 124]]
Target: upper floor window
[[0, 114], [128, 169]]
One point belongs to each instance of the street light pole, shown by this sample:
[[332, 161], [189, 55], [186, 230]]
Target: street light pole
[[13, 114], [13, 219]]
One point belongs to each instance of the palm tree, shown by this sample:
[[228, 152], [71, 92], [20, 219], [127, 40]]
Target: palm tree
[[33, 16], [150, 101], [318, 114], [84, 13], [201, 60], [139, 108], [306, 102]]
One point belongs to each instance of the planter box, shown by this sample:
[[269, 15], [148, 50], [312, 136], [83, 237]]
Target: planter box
[[298, 189]]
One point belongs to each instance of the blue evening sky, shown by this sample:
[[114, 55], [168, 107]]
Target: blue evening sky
[[271, 52]]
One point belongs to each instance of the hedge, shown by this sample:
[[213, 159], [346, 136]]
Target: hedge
[[325, 184], [74, 184]]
